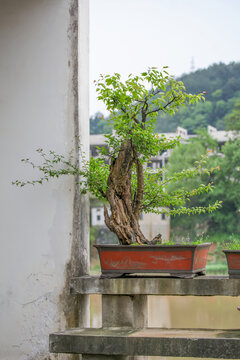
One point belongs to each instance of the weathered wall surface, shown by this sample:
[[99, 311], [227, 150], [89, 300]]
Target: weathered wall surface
[[38, 108], [153, 224]]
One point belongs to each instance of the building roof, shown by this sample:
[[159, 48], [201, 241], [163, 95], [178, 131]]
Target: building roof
[[98, 139], [220, 135]]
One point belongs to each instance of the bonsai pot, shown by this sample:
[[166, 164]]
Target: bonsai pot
[[233, 260], [177, 260]]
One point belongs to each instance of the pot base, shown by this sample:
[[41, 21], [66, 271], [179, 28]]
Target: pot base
[[166, 275], [234, 276]]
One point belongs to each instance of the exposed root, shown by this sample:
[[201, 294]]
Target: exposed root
[[139, 241], [157, 239]]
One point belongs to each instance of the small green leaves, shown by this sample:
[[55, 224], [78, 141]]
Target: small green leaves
[[233, 242], [53, 165]]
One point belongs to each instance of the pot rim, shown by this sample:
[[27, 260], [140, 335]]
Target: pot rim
[[230, 251], [150, 246]]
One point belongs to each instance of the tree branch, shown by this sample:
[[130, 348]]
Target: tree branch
[[144, 111], [133, 117], [102, 193], [156, 92], [150, 203], [165, 106]]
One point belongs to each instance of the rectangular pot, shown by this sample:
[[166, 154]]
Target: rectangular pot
[[233, 260], [177, 260]]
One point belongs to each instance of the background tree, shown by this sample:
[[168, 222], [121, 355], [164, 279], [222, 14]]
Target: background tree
[[185, 157], [226, 183], [99, 124], [227, 188], [233, 119]]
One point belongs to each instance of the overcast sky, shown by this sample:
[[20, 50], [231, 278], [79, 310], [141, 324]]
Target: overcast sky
[[128, 36]]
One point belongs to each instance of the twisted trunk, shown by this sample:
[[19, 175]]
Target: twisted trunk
[[125, 211]]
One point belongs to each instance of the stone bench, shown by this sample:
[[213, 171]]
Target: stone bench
[[124, 333], [147, 285], [156, 342]]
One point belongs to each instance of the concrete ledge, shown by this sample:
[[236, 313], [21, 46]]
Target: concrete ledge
[[147, 285], [220, 344]]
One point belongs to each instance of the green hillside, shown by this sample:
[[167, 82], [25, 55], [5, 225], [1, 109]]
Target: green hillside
[[222, 85]]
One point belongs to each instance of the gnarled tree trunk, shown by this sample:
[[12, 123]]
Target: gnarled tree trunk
[[125, 206]]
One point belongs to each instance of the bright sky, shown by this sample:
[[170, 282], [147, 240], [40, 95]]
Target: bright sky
[[128, 36]]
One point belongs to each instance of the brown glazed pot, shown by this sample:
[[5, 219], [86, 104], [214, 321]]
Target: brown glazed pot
[[177, 260], [233, 260]]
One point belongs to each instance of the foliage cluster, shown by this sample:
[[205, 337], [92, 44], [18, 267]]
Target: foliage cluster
[[222, 85]]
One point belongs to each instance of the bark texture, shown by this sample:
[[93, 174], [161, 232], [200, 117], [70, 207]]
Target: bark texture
[[125, 206]]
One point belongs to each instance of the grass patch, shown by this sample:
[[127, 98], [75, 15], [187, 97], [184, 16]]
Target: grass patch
[[217, 269], [95, 269]]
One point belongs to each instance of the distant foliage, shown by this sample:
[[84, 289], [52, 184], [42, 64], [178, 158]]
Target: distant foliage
[[226, 183], [233, 119], [99, 124], [222, 85]]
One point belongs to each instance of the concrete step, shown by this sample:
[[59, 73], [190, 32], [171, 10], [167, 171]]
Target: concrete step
[[222, 344], [156, 285]]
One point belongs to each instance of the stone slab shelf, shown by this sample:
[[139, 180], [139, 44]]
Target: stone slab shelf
[[219, 344], [148, 285]]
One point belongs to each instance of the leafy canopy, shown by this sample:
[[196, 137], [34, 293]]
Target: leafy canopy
[[222, 85], [134, 106]]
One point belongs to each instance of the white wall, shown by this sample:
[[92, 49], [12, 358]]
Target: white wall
[[36, 223], [153, 224]]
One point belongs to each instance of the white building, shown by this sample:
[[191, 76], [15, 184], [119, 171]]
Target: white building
[[97, 216], [44, 103], [221, 136]]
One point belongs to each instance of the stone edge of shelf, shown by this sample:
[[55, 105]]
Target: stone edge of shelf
[[201, 286]]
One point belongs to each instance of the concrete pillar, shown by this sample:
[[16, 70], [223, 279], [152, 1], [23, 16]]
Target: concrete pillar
[[122, 310], [81, 202]]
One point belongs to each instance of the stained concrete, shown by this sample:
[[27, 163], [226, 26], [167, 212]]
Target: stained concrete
[[200, 286], [41, 86], [152, 342], [124, 311]]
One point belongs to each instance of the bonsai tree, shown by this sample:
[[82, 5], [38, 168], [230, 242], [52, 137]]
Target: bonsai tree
[[119, 175]]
